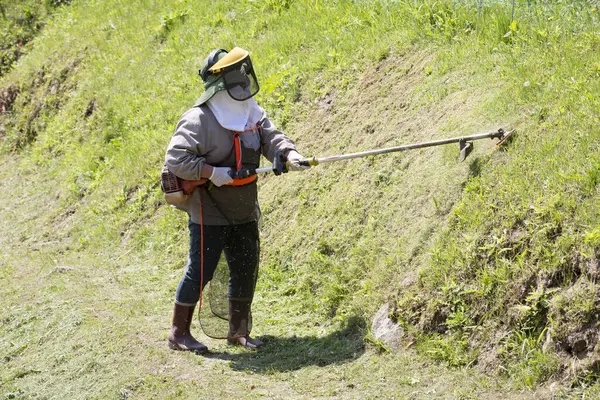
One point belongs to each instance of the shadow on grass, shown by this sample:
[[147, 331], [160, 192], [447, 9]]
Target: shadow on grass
[[282, 354]]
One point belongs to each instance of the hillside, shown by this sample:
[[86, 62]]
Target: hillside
[[489, 265]]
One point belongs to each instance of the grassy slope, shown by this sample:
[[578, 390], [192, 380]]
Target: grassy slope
[[513, 281], [20, 22], [92, 240]]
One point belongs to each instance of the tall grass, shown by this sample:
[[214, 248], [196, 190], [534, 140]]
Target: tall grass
[[516, 244]]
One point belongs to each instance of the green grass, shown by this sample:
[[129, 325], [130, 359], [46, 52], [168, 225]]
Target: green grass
[[20, 21], [517, 239], [496, 255]]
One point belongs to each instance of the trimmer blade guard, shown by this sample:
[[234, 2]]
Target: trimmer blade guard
[[465, 149]]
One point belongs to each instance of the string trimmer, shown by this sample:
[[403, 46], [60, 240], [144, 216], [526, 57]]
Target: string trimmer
[[465, 146], [174, 188]]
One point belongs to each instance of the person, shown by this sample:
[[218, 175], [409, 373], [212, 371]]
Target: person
[[224, 131]]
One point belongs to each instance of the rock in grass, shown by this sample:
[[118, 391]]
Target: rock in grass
[[386, 330]]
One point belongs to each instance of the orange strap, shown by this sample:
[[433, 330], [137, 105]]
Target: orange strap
[[238, 163], [238, 150]]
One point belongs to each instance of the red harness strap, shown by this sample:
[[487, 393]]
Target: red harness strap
[[238, 163]]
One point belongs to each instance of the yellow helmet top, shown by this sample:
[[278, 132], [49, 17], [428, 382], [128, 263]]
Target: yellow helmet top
[[233, 57]]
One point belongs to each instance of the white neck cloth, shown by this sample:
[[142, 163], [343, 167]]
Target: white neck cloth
[[232, 114]]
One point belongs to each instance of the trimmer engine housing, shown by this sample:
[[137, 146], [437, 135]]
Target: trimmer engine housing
[[172, 187]]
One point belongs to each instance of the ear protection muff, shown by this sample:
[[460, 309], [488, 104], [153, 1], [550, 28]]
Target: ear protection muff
[[212, 60]]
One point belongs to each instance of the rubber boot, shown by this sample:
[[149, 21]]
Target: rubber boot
[[180, 337], [239, 326]]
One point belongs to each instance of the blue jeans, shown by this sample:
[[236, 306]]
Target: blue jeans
[[241, 246]]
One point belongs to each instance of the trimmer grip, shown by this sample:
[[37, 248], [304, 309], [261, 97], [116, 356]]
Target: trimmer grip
[[279, 163], [242, 173]]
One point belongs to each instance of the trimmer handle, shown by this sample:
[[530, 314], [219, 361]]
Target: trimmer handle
[[242, 173], [280, 163]]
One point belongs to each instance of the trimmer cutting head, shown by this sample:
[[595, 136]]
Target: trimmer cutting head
[[505, 137], [466, 144]]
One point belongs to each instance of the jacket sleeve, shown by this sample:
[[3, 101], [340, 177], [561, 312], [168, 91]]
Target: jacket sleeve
[[185, 153], [272, 139]]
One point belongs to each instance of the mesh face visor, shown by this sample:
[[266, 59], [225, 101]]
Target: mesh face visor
[[240, 80]]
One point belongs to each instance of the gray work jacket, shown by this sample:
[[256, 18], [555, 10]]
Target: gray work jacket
[[199, 139]]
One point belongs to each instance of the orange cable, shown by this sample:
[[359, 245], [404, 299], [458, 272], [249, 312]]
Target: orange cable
[[201, 255]]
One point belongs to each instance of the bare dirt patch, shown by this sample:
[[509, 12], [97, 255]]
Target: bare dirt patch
[[8, 96]]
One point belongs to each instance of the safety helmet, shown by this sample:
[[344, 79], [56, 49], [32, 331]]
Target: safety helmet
[[231, 71]]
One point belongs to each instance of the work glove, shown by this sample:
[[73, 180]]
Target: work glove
[[294, 158], [221, 176]]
